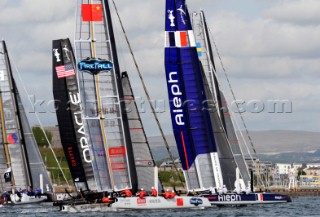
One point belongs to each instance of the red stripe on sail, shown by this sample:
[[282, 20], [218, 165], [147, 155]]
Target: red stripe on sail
[[118, 166], [184, 39], [116, 151], [184, 150], [136, 128]]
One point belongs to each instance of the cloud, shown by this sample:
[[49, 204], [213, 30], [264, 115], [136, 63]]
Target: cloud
[[264, 37], [265, 48], [33, 12], [271, 67], [269, 48], [299, 12]]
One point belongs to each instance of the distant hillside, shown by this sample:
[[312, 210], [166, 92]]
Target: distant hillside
[[158, 148], [285, 141], [293, 157], [276, 146]]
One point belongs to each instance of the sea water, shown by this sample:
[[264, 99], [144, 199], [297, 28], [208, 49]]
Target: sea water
[[300, 206]]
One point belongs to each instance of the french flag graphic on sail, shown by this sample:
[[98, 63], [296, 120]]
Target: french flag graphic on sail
[[178, 27]]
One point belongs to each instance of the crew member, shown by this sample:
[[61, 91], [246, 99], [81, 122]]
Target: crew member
[[224, 189], [167, 194], [142, 193], [5, 197], [37, 193], [107, 199], [172, 194], [237, 189], [30, 192], [154, 192], [126, 193]]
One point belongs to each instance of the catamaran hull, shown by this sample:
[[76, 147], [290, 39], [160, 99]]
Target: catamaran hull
[[135, 203], [25, 200], [234, 199]]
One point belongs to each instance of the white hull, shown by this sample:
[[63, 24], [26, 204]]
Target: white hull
[[135, 203], [25, 199]]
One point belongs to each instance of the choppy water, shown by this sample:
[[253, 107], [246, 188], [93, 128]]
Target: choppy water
[[300, 206]]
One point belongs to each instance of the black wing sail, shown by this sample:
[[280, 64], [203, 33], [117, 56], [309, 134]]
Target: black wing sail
[[68, 110]]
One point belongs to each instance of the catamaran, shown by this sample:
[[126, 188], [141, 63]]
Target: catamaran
[[21, 164], [101, 131], [208, 147]]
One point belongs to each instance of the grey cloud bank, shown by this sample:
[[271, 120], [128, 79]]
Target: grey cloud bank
[[271, 50]]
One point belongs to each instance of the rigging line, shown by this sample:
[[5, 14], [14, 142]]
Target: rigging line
[[148, 96], [38, 119], [234, 98]]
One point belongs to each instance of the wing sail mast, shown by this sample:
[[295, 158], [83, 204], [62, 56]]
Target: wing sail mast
[[13, 137], [144, 161], [191, 125], [101, 93], [206, 56]]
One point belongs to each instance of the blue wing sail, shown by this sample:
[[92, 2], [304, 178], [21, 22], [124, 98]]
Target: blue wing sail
[[190, 121]]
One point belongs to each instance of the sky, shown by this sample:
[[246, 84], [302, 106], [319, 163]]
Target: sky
[[270, 50]]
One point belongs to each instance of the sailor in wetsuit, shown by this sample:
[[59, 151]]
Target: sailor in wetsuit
[[126, 193], [142, 193], [5, 197], [167, 194], [154, 192]]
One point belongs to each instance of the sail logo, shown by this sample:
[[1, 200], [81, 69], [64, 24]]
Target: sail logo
[[56, 54], [171, 18], [229, 197], [182, 14], [176, 100], [7, 175], [72, 157], [141, 201], [66, 52], [12, 138], [75, 100], [94, 66], [196, 201], [117, 150]]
